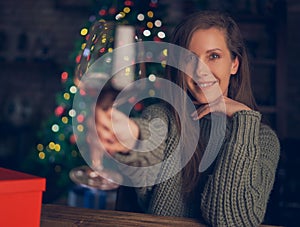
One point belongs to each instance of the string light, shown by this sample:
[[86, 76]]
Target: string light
[[82, 105], [152, 77], [51, 145], [146, 33], [40, 147], [150, 14], [150, 24], [158, 23], [92, 18], [66, 96], [57, 147], [74, 153], [64, 76], [78, 58], [82, 92], [120, 15], [72, 113], [132, 99], [108, 60], [86, 52], [72, 139], [149, 55], [61, 137], [80, 118], [55, 128], [161, 35], [73, 89], [138, 106], [83, 45], [128, 3], [80, 128], [140, 17], [102, 12], [126, 10], [151, 93], [84, 31], [103, 40], [59, 111], [165, 52], [42, 155], [112, 10], [102, 50], [65, 120]]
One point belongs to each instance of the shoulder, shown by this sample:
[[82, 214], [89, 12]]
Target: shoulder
[[269, 139], [266, 132]]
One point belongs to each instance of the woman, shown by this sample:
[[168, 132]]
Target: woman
[[234, 190]]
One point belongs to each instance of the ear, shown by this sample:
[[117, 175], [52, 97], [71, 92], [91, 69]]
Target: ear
[[234, 66]]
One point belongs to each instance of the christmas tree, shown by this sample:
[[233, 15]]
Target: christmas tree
[[56, 152]]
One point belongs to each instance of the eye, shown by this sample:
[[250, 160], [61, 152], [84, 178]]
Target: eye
[[214, 56], [191, 58]]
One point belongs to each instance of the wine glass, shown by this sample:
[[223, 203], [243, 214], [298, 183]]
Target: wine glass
[[92, 76]]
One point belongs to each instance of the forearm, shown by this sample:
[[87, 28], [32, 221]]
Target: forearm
[[145, 154], [155, 134]]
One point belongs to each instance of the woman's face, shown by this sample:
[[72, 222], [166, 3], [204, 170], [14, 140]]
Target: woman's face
[[209, 74]]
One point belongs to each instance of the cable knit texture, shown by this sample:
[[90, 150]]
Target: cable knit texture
[[236, 190]]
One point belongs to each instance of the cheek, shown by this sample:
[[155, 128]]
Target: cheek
[[221, 72], [189, 83], [223, 77]]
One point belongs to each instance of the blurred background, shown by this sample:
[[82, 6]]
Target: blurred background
[[40, 46]]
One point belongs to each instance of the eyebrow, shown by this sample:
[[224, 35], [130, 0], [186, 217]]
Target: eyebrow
[[208, 51], [212, 50]]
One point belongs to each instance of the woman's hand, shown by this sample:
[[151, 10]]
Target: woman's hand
[[116, 131], [222, 104]]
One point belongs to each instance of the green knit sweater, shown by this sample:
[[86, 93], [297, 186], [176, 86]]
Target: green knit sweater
[[234, 191]]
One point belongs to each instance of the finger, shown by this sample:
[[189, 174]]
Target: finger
[[105, 130], [201, 112], [204, 110], [103, 118], [112, 148], [106, 135]]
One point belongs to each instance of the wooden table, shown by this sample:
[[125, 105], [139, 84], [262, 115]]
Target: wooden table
[[65, 216]]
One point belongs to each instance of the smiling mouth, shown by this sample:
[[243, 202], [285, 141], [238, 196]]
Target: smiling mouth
[[205, 84]]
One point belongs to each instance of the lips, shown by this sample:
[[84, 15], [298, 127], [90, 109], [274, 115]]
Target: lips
[[205, 84]]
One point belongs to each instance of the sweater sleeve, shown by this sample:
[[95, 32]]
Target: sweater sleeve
[[237, 192], [155, 131]]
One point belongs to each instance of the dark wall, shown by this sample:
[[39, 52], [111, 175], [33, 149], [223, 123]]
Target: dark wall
[[37, 39]]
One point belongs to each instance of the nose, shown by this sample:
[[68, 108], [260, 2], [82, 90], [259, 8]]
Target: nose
[[201, 69]]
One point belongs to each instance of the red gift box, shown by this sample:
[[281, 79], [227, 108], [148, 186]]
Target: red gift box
[[20, 198]]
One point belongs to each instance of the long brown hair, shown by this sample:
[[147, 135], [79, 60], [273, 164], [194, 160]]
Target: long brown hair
[[239, 86]]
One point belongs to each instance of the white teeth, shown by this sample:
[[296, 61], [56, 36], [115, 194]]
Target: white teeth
[[203, 85]]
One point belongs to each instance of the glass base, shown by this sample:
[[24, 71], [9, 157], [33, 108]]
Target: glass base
[[86, 176]]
